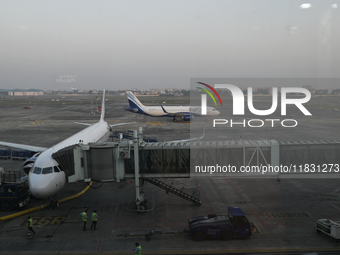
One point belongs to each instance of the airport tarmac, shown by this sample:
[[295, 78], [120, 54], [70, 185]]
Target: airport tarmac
[[282, 212]]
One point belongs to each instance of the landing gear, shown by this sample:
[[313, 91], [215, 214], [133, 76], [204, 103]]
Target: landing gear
[[174, 119], [54, 203], [142, 207]]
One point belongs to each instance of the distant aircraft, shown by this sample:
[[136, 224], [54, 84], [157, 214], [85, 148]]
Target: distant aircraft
[[183, 112], [46, 177]]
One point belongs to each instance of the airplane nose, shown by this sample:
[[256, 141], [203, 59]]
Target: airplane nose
[[44, 185]]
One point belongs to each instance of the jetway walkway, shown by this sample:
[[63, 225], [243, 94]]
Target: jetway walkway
[[177, 188], [152, 162]]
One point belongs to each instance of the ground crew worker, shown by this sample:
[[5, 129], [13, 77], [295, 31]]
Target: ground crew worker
[[138, 250], [94, 220], [30, 224], [84, 218]]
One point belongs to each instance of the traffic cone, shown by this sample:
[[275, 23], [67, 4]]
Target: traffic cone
[[29, 235], [127, 181]]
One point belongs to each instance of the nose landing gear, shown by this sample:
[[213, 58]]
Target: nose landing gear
[[54, 203]]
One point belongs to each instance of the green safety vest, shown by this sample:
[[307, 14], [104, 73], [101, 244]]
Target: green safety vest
[[30, 223], [84, 216], [94, 218], [140, 250]]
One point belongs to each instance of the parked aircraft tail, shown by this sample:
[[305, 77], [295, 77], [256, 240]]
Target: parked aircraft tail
[[102, 116], [135, 104]]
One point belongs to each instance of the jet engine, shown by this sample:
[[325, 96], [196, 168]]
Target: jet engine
[[188, 117], [28, 164]]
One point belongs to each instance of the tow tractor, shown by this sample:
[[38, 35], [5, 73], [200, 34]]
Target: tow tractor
[[233, 225], [328, 227]]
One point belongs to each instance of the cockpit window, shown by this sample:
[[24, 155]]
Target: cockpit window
[[56, 169], [47, 170], [37, 170]]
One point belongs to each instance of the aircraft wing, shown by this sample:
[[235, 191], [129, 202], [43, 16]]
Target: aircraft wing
[[86, 124], [189, 140], [24, 146], [120, 124]]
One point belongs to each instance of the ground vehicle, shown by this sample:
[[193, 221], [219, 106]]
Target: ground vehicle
[[5, 153], [233, 225], [14, 191], [328, 227], [13, 195], [21, 154]]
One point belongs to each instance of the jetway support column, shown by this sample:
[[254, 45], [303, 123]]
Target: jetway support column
[[140, 196]]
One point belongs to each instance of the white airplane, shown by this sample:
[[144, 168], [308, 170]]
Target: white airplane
[[184, 112], [46, 177]]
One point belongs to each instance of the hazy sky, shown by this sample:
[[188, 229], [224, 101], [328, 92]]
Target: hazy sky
[[162, 44]]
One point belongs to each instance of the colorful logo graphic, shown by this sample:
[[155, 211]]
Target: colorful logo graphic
[[207, 91]]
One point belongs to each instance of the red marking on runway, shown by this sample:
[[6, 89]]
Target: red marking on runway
[[100, 243]]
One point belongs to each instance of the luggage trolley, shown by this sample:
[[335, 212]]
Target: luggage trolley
[[328, 227]]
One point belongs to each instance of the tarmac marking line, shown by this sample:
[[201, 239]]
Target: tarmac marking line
[[154, 123], [100, 243], [254, 228], [280, 215], [315, 212], [48, 220], [263, 211]]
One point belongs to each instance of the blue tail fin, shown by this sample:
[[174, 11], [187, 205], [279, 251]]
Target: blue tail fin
[[135, 104]]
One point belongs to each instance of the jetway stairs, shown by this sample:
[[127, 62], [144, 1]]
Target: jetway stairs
[[177, 188]]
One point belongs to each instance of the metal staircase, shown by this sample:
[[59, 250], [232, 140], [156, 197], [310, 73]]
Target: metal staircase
[[177, 188]]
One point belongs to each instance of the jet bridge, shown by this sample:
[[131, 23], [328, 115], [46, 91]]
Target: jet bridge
[[158, 163]]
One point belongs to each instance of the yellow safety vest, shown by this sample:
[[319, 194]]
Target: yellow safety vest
[[84, 216], [94, 218], [140, 250], [30, 222]]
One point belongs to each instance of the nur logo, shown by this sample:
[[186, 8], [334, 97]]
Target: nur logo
[[238, 99], [204, 97]]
